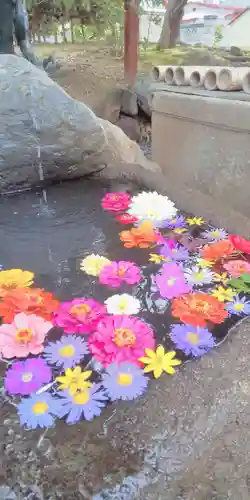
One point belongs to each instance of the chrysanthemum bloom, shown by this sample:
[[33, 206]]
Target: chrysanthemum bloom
[[38, 410], [198, 277], [177, 253], [25, 377], [239, 243], [170, 282], [66, 352], [125, 381], [79, 315], [28, 300], [120, 338], [239, 306], [116, 202], [195, 221], [223, 294], [75, 380], [215, 234], [197, 308], [123, 304], [219, 250], [159, 361], [142, 236], [14, 278], [84, 404], [120, 272], [126, 219], [24, 336], [192, 340], [151, 206], [237, 267], [93, 264]]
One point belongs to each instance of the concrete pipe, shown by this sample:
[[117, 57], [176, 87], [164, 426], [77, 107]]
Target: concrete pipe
[[182, 75], [158, 73], [196, 78], [210, 79], [169, 75], [229, 79], [246, 82]]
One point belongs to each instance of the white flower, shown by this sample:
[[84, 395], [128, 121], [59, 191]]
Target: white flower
[[93, 264], [152, 206], [123, 304], [196, 276], [215, 234]]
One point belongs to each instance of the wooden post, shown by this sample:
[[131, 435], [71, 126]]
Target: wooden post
[[131, 40]]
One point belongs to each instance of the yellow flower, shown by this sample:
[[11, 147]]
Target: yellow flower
[[93, 264], [159, 361], [205, 263], [221, 278], [74, 380], [195, 221], [157, 259], [14, 278], [179, 230], [223, 294]]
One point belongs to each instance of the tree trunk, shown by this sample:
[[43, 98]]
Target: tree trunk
[[65, 40], [72, 31], [170, 33], [56, 36]]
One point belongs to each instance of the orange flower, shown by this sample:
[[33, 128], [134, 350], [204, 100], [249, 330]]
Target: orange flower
[[197, 308], [28, 300], [218, 250], [143, 236]]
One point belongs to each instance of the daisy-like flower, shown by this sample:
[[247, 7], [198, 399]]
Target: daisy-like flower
[[118, 272], [221, 278], [155, 258], [180, 230], [116, 202], [177, 253], [195, 221], [198, 277], [66, 352], [239, 306], [159, 361], [125, 381], [25, 377], [74, 380], [87, 404], [204, 263], [192, 340], [215, 234], [38, 410], [79, 315], [223, 294], [93, 264], [177, 222], [151, 206], [123, 304], [14, 278]]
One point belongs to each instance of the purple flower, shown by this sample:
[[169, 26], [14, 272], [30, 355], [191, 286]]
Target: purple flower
[[176, 253], [125, 381], [170, 282], [239, 306], [39, 410], [25, 377], [175, 223], [66, 352], [87, 403], [192, 340]]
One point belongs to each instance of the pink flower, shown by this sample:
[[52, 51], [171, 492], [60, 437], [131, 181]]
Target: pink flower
[[171, 282], [126, 219], [79, 316], [117, 272], [120, 338], [237, 267], [24, 336], [116, 202]]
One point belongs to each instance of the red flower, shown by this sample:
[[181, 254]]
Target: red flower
[[197, 308], [116, 202], [240, 243], [126, 219]]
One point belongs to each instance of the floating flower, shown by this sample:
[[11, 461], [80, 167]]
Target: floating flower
[[180, 230], [74, 380], [152, 206], [120, 272], [159, 361], [24, 336], [28, 300], [215, 234], [116, 202], [120, 338], [204, 263], [223, 294], [125, 381], [14, 278], [175, 223], [239, 306], [66, 352], [25, 377], [38, 410], [87, 404], [219, 250], [197, 308], [123, 304], [237, 267], [192, 340], [221, 278], [178, 253], [198, 277], [170, 282], [195, 221], [79, 315], [126, 219], [239, 243], [93, 264], [142, 236], [156, 259]]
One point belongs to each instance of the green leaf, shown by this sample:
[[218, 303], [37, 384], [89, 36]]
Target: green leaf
[[245, 277], [238, 284]]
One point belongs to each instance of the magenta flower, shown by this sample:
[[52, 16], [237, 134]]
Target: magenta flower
[[25, 377], [116, 202], [79, 316], [118, 272], [171, 282], [120, 338]]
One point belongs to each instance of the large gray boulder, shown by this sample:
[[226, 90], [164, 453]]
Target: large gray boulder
[[47, 135]]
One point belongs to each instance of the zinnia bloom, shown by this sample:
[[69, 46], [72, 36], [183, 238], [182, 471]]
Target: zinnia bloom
[[237, 267], [198, 277], [116, 202], [120, 338], [195, 221], [215, 234], [151, 206], [123, 304], [119, 272], [25, 377], [24, 336], [79, 315], [93, 264], [197, 308], [219, 250], [239, 243], [170, 282], [125, 381], [239, 306], [28, 300], [142, 236], [87, 404], [126, 219], [159, 361], [192, 340], [75, 380], [66, 352], [39, 410], [223, 294], [14, 278]]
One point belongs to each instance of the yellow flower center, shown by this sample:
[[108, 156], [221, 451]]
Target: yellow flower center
[[199, 275], [80, 310], [215, 233], [24, 335], [173, 221], [193, 338], [171, 281], [67, 351], [201, 306], [115, 198], [27, 377], [81, 398], [123, 305], [124, 379], [121, 271], [238, 307], [124, 337], [40, 408]]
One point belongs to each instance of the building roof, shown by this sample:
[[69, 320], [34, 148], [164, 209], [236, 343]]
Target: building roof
[[217, 6], [236, 17]]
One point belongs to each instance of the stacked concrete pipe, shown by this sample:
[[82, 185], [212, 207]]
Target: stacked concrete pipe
[[158, 73], [246, 82], [229, 79]]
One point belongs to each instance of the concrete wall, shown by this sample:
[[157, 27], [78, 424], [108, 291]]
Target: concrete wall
[[238, 33]]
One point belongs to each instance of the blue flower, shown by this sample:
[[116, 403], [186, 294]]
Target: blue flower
[[175, 223], [178, 253], [124, 381], [86, 403], [192, 340], [214, 234], [239, 306], [38, 410], [66, 352]]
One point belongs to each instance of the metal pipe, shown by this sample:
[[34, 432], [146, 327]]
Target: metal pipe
[[131, 40]]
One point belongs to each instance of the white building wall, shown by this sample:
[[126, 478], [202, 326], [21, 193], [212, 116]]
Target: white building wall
[[238, 33]]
